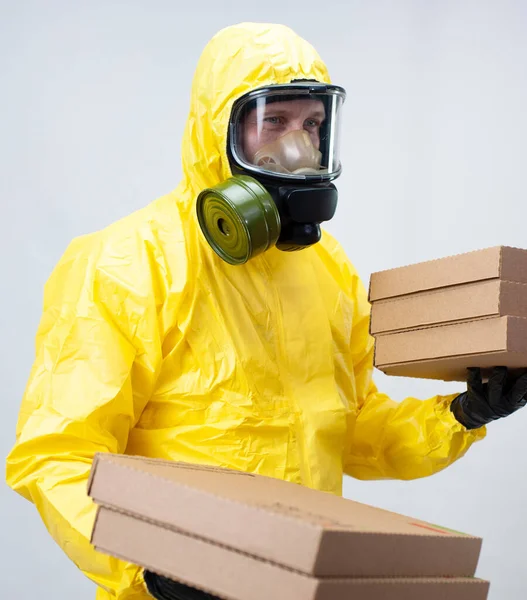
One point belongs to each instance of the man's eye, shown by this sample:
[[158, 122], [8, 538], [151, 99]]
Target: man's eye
[[273, 120], [311, 123]]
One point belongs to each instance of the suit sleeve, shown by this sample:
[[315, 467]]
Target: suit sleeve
[[97, 354]]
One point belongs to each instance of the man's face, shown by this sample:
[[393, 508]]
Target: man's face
[[263, 125]]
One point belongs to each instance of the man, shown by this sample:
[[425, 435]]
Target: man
[[191, 331]]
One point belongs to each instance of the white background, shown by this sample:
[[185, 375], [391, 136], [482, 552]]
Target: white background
[[94, 97]]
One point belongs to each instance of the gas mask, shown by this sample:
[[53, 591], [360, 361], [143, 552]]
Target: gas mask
[[283, 153]]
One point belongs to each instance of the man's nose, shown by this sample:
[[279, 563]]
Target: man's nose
[[297, 125]]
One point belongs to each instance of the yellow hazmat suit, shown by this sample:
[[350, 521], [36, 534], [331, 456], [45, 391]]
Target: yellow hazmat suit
[[150, 344]]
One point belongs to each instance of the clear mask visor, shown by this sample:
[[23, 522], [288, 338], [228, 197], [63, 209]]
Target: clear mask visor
[[287, 134]]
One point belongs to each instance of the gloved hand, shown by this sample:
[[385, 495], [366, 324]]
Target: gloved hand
[[163, 588], [486, 402]]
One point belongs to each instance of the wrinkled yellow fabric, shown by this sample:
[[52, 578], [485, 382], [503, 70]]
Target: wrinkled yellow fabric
[[149, 344]]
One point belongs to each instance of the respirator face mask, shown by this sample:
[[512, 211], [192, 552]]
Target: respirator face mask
[[283, 153]]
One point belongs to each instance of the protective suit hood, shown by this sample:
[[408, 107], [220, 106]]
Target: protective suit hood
[[237, 60]]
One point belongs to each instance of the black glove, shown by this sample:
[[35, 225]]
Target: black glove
[[486, 402], [163, 588]]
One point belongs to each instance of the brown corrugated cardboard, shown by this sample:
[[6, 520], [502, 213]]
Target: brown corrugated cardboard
[[435, 319], [457, 303], [236, 576], [448, 350], [454, 368], [287, 524], [496, 334], [501, 262]]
